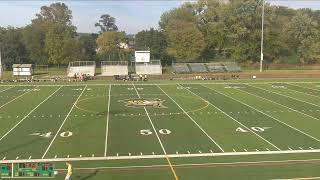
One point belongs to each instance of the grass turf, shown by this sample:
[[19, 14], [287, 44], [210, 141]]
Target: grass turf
[[196, 119]]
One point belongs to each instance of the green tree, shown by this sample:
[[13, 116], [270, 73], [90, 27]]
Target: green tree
[[34, 39], [12, 46], [304, 37], [152, 40], [108, 45], [107, 23], [185, 41], [55, 13], [88, 45], [57, 37]]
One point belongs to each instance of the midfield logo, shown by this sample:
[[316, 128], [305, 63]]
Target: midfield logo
[[144, 102]]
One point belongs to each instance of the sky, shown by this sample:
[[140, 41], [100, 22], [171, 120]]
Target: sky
[[131, 16]]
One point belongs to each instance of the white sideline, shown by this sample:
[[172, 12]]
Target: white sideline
[[192, 120], [279, 104], [285, 96], [237, 121], [199, 164], [304, 178], [29, 114], [163, 156], [107, 126], [74, 104], [173, 83], [301, 91], [276, 119]]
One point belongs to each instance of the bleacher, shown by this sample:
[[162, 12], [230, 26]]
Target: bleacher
[[198, 67], [111, 68], [151, 68], [181, 68], [81, 67], [218, 67], [231, 67]]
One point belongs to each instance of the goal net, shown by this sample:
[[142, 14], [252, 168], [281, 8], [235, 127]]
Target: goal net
[[111, 68], [81, 67]]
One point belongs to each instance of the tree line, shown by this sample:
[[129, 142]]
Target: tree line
[[200, 31]]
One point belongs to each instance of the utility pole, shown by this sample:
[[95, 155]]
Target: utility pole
[[262, 21]]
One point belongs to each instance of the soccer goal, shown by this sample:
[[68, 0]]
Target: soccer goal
[[111, 68], [153, 67], [81, 67]]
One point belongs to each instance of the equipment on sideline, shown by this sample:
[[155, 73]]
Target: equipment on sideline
[[27, 170], [81, 67]]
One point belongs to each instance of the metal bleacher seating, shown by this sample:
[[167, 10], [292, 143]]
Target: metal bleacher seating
[[198, 67], [181, 68], [216, 67], [231, 67]]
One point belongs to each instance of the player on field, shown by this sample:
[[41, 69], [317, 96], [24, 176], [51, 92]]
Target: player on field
[[69, 172]]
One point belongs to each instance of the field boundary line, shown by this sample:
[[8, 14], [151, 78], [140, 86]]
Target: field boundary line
[[301, 178], [279, 104], [6, 89], [265, 140], [16, 98], [107, 126], [192, 120], [173, 83], [45, 153], [285, 95], [156, 133], [276, 119], [30, 113], [163, 156], [199, 164]]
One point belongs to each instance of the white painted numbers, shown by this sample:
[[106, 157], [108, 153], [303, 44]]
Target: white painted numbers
[[49, 134], [147, 132]]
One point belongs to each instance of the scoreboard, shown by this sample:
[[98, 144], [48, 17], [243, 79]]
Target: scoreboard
[[27, 170]]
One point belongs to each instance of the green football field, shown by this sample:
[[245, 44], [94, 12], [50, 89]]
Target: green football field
[[200, 130]]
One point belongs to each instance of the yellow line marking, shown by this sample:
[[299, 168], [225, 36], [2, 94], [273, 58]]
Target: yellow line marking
[[172, 169]]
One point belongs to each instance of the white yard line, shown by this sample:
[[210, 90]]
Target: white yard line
[[107, 127], [16, 98], [6, 89], [165, 156], [237, 121], [279, 104], [74, 104], [305, 87], [29, 113], [193, 120], [266, 115], [154, 129], [285, 95], [156, 132], [300, 91]]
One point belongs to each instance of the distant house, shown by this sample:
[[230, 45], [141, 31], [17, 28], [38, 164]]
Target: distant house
[[22, 69]]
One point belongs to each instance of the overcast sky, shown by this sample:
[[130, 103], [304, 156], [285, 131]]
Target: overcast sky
[[131, 16]]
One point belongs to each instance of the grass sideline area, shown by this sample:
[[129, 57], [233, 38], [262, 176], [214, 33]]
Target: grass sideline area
[[237, 129]]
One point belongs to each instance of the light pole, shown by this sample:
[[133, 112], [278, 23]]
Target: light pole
[[261, 51]]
